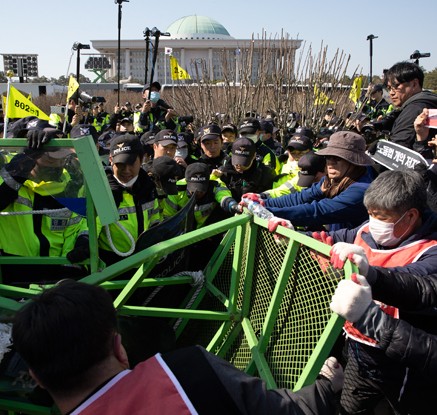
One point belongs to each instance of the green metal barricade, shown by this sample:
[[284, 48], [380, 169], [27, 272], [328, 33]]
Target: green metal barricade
[[262, 306]]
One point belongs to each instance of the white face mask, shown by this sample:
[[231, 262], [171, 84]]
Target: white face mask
[[128, 184], [154, 96], [182, 152], [382, 232], [253, 137]]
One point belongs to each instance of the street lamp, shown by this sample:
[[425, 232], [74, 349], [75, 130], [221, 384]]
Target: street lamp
[[370, 39], [119, 2], [78, 46], [156, 33]]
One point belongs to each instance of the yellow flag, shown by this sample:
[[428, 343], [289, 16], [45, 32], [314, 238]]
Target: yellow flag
[[321, 97], [355, 92], [73, 85], [20, 107], [176, 71]]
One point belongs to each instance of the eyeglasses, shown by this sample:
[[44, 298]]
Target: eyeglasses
[[393, 88]]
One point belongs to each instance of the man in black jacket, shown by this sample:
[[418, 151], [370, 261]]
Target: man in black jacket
[[406, 341], [245, 174], [404, 82]]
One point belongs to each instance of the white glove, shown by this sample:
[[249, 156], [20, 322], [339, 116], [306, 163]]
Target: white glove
[[341, 251], [333, 371], [352, 298]]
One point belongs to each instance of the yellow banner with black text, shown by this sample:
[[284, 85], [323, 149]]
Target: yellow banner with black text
[[177, 72], [20, 107]]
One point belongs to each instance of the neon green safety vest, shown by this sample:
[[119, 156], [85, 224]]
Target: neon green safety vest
[[128, 218], [173, 203], [32, 233], [287, 181]]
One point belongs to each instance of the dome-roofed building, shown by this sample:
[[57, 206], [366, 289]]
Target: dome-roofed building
[[198, 43], [197, 27]]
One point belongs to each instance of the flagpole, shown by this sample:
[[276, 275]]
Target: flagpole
[[64, 127], [165, 70], [7, 108], [172, 80]]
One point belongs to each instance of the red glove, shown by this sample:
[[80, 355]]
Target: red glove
[[275, 222], [323, 237]]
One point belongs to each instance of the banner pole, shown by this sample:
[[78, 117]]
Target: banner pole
[[5, 130]]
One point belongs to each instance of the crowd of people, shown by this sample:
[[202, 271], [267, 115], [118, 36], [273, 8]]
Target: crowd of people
[[323, 183]]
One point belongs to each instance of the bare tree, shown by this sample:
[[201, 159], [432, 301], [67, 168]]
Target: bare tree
[[266, 76]]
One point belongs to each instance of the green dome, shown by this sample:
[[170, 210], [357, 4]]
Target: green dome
[[197, 27]]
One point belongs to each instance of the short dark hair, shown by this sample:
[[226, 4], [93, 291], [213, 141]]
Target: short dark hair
[[404, 72], [64, 332]]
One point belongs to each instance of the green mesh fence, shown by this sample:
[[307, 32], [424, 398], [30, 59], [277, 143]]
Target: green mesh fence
[[263, 306]]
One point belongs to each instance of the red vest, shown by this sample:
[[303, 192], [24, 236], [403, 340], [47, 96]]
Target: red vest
[[151, 388], [396, 257]]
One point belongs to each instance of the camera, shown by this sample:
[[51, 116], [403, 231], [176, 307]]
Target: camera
[[57, 109], [417, 55], [185, 120], [88, 99]]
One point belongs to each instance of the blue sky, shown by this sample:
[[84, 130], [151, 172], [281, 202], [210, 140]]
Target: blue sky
[[50, 27]]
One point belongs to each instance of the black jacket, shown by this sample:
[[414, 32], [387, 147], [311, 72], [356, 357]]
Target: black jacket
[[214, 386], [408, 344], [402, 126], [256, 179], [214, 162]]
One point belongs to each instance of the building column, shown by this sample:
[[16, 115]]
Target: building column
[[183, 63], [126, 71], [113, 70], [210, 65]]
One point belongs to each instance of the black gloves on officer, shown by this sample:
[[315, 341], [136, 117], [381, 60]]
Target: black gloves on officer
[[37, 138], [21, 165], [81, 250]]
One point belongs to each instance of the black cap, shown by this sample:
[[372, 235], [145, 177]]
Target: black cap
[[209, 132], [310, 164], [155, 84], [148, 138], [197, 177], [243, 152], [166, 137], [300, 142], [305, 131], [168, 172], [125, 149], [230, 127], [184, 139], [37, 124], [249, 126], [126, 119], [267, 126], [82, 130]]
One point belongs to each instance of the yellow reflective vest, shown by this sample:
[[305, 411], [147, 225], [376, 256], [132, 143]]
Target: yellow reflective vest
[[218, 195], [51, 234]]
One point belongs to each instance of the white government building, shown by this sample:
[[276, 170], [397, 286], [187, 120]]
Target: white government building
[[193, 39]]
